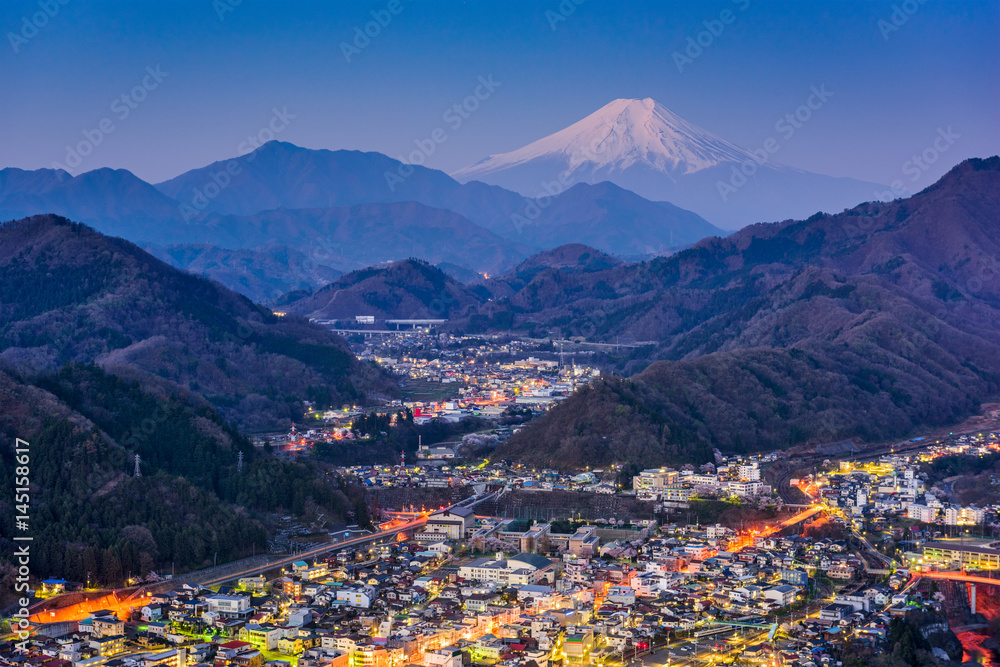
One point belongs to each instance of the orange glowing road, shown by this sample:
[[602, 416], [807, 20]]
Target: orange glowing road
[[123, 607], [80, 610], [744, 541], [801, 516], [959, 576]]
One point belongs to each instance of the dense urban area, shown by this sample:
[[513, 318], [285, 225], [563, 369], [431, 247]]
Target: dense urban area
[[500, 334], [475, 561]]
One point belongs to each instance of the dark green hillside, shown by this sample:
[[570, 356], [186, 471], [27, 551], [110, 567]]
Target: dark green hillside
[[69, 294], [89, 514]]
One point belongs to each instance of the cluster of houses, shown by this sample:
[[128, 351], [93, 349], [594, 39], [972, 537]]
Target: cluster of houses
[[434, 470], [603, 599], [484, 387], [891, 487], [894, 485], [737, 477], [740, 477], [596, 594]]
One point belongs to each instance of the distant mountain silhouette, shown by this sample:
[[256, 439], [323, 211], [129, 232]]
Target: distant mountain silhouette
[[346, 210], [644, 147], [408, 289], [262, 274]]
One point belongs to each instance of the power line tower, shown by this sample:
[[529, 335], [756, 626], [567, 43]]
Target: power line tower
[[138, 472], [239, 462]]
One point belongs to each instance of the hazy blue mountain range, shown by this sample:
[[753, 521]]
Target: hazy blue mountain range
[[344, 210]]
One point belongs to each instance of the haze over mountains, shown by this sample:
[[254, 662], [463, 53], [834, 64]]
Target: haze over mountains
[[866, 324], [869, 323], [343, 210], [644, 147], [626, 182]]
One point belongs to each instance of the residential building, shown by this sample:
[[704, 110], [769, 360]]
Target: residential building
[[455, 523]]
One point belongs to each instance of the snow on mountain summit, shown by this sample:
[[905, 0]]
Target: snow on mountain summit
[[619, 135]]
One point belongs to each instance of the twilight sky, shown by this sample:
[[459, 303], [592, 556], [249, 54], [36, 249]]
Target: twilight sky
[[899, 72]]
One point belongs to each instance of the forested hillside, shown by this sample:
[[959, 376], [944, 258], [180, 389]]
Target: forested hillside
[[867, 324], [408, 289], [69, 294], [107, 354], [89, 514]]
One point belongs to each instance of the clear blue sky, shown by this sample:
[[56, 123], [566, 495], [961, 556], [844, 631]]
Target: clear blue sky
[[891, 90]]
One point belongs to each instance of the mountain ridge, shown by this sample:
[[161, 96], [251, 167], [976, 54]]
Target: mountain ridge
[[406, 289], [285, 185], [71, 295], [644, 147], [866, 324]]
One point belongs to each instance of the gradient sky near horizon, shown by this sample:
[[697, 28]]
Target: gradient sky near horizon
[[893, 89]]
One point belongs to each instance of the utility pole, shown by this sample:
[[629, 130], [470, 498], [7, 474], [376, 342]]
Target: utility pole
[[239, 462], [137, 472]]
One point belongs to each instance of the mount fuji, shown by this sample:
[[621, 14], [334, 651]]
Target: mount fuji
[[642, 146]]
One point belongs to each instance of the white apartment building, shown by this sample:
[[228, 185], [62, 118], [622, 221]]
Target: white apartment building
[[360, 596], [228, 606], [921, 513], [654, 479], [675, 493], [964, 516]]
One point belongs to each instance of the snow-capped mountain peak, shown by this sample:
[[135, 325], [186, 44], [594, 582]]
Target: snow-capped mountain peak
[[619, 135]]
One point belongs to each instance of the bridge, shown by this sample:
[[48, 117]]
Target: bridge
[[972, 580], [412, 323], [415, 323]]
